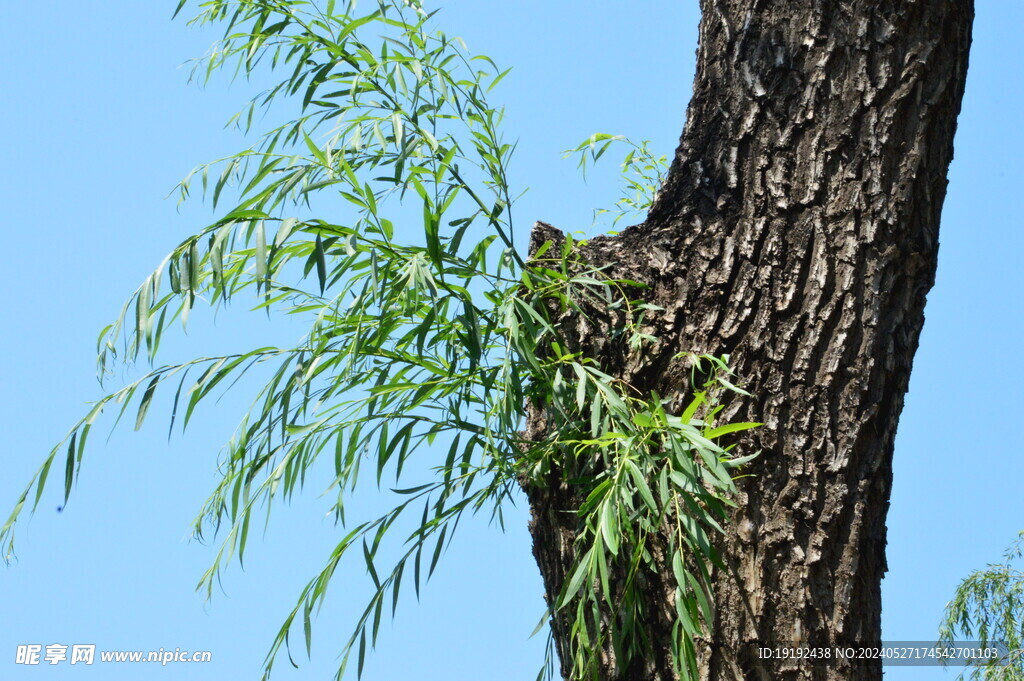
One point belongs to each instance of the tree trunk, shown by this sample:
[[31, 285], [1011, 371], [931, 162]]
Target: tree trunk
[[798, 231]]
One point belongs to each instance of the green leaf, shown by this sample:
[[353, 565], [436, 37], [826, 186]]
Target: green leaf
[[261, 250], [610, 525], [321, 263], [574, 584], [643, 420], [729, 428], [702, 600], [69, 470], [740, 460], [285, 230], [318, 154], [146, 399], [370, 568], [641, 485], [351, 26]]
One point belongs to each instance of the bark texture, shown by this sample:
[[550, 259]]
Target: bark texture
[[798, 231]]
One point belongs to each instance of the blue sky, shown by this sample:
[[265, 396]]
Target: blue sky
[[100, 124]]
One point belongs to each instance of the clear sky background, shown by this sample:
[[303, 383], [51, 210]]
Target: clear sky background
[[99, 124]]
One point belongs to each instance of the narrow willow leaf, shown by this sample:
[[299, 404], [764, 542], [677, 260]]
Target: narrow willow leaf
[[370, 568], [729, 428], [69, 470], [147, 397], [261, 250], [610, 525], [438, 547], [641, 485], [575, 582], [321, 263], [701, 598], [285, 230], [40, 484]]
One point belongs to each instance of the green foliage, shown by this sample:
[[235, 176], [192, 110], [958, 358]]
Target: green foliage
[[642, 174], [428, 332], [988, 607], [655, 486]]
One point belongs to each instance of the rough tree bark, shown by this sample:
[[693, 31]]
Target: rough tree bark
[[798, 231]]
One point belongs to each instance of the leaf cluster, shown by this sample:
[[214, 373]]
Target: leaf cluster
[[642, 171], [428, 335], [655, 488], [988, 606]]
